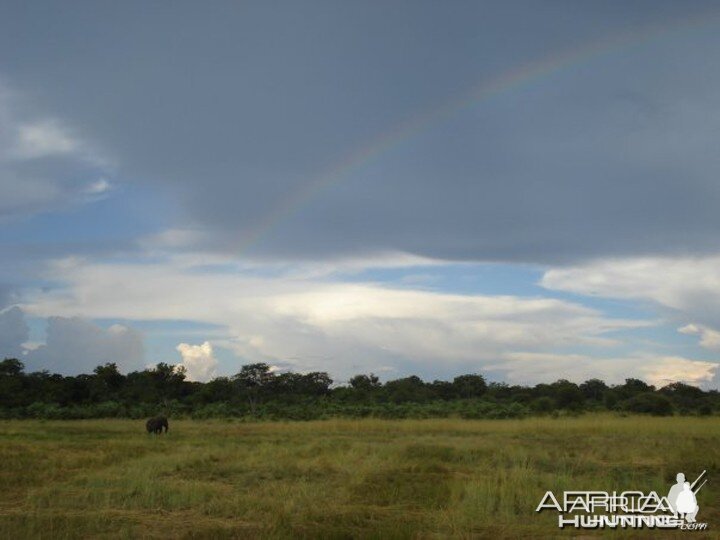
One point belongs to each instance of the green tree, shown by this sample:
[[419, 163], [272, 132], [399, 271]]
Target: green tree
[[407, 389], [11, 383], [168, 381], [632, 387], [469, 386], [253, 382], [365, 382], [684, 396], [316, 383], [11, 367], [108, 382], [650, 403], [567, 395], [594, 389], [443, 390]]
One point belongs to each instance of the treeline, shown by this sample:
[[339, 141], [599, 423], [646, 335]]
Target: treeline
[[258, 392]]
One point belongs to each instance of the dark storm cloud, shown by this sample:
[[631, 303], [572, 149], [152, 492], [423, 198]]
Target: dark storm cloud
[[236, 107]]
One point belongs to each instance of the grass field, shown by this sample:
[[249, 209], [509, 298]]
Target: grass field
[[338, 478]]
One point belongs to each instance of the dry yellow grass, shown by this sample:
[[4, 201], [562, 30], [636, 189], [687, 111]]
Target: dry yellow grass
[[337, 478]]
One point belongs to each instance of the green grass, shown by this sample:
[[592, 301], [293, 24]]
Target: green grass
[[338, 478]]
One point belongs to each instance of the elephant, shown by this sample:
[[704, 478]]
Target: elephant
[[156, 425]]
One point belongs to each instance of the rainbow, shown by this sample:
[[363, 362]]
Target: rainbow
[[508, 80]]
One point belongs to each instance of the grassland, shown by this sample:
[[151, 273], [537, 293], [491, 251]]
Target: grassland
[[337, 478]]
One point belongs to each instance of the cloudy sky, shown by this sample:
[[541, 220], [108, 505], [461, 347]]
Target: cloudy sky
[[529, 190]]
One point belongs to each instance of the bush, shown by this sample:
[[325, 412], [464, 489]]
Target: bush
[[213, 410], [543, 405], [485, 409], [649, 403], [109, 409], [49, 411], [705, 409]]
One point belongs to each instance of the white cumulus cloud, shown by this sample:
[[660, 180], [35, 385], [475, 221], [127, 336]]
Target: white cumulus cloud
[[198, 360], [658, 370], [666, 370], [709, 338], [313, 324], [686, 288]]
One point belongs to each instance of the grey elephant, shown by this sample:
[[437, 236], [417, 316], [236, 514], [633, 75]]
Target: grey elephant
[[156, 425]]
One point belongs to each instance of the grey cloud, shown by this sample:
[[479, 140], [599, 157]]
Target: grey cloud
[[76, 345], [14, 332], [6, 295], [686, 289], [236, 108], [42, 164]]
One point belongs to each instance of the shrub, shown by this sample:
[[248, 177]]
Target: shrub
[[705, 409], [650, 403], [543, 404]]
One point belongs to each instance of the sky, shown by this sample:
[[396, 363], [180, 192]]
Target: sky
[[527, 190]]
